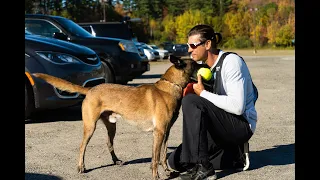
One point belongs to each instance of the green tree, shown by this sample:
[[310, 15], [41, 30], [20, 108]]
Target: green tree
[[186, 21], [28, 6], [272, 29], [148, 9], [237, 23], [284, 36], [273, 22], [176, 7], [169, 29]]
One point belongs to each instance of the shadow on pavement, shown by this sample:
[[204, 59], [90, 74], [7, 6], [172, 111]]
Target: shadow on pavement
[[63, 114], [32, 176], [103, 166], [136, 161], [279, 155]]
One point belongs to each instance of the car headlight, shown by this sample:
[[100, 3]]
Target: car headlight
[[148, 53], [128, 46], [58, 58]]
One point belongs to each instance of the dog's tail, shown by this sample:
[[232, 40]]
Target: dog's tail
[[62, 84]]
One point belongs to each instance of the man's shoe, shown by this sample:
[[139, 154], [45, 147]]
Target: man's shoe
[[244, 162], [199, 172], [189, 173], [169, 168]]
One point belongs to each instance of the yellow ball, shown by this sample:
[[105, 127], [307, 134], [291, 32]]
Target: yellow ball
[[205, 73]]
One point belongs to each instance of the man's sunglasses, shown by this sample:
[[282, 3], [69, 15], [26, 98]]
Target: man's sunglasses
[[195, 45]]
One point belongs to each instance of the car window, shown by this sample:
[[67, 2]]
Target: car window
[[120, 31], [26, 32], [41, 27], [73, 28], [181, 46], [88, 28], [168, 46]]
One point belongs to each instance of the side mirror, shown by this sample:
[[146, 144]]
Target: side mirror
[[61, 36]]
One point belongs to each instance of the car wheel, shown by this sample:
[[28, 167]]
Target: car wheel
[[28, 102], [108, 73]]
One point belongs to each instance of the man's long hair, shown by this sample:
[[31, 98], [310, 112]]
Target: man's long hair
[[206, 33]]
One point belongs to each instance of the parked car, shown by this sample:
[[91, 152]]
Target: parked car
[[72, 62], [109, 29], [180, 50], [164, 54], [120, 57], [119, 30], [168, 46], [152, 54]]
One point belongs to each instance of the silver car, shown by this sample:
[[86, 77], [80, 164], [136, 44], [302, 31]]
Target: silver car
[[164, 54], [151, 54]]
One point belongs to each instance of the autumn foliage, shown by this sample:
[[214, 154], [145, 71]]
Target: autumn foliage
[[242, 23]]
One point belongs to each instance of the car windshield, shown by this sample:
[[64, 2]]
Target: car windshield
[[26, 32], [74, 28], [181, 45], [146, 47]]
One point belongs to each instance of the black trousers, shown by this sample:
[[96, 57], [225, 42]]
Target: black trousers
[[207, 128]]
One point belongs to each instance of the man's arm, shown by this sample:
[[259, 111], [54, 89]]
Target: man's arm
[[233, 74]]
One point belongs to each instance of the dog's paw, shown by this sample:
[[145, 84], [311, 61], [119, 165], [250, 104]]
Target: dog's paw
[[167, 172], [157, 178], [81, 169], [118, 162], [172, 175]]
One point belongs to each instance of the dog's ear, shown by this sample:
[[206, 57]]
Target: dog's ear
[[178, 63]]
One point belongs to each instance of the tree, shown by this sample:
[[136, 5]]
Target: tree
[[176, 7], [272, 30], [186, 21], [284, 36], [28, 6], [169, 30]]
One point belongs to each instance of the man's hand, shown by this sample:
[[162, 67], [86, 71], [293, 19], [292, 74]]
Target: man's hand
[[198, 87]]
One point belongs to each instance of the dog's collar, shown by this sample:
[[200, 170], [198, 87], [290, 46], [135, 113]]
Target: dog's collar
[[162, 78]]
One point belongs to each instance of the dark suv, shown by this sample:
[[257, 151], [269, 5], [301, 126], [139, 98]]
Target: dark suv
[[109, 29], [180, 50], [120, 57], [168, 46], [120, 30]]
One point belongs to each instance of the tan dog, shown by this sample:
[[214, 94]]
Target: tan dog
[[152, 107]]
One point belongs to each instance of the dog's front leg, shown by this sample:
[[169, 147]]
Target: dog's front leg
[[158, 136], [163, 160]]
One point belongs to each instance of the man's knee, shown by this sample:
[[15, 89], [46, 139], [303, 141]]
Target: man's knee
[[190, 99]]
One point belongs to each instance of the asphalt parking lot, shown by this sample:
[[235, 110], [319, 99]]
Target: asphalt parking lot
[[52, 139]]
